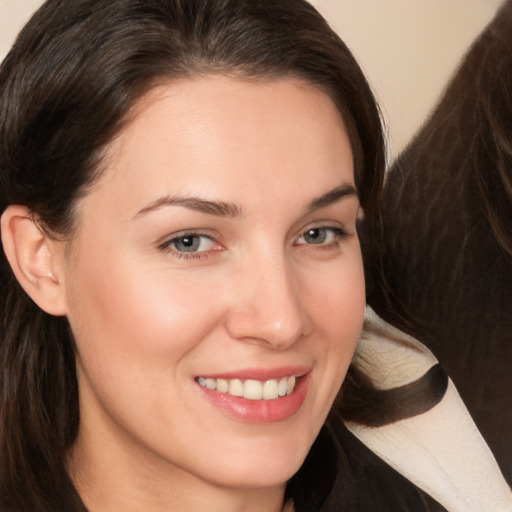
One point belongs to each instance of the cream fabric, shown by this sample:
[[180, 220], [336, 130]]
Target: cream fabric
[[441, 451]]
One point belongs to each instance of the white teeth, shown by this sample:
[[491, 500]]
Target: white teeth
[[251, 389], [236, 387], [270, 390], [222, 385], [282, 386], [289, 386]]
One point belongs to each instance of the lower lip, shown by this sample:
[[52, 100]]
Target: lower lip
[[260, 411]]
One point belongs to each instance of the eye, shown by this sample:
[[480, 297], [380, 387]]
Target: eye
[[190, 243], [320, 236]]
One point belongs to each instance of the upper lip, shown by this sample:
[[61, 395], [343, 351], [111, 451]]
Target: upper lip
[[261, 374]]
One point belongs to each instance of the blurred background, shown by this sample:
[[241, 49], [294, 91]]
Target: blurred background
[[408, 48]]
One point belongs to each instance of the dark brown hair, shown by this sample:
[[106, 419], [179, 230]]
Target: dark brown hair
[[66, 87]]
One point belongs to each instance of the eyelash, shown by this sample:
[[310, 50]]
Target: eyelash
[[337, 233], [167, 246]]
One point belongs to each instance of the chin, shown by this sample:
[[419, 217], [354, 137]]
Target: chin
[[262, 467]]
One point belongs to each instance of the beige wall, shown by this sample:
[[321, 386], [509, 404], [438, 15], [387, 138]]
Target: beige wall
[[408, 48], [13, 14]]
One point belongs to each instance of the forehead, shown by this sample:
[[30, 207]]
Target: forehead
[[203, 134], [234, 101]]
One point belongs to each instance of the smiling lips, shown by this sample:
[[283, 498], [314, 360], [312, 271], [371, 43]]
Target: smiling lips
[[251, 389], [257, 401]]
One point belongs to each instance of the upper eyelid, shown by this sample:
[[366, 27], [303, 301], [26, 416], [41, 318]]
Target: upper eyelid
[[338, 230], [166, 240], [326, 224]]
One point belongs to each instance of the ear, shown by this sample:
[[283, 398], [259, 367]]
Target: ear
[[34, 258]]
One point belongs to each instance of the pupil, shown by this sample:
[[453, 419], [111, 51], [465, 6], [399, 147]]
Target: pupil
[[188, 244], [315, 236]]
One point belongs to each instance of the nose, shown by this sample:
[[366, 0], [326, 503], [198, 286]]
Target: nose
[[267, 306]]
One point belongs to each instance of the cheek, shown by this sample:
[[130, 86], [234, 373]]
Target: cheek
[[126, 320], [337, 298], [136, 334], [338, 310]]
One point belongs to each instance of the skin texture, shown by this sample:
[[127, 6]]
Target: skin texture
[[258, 295]]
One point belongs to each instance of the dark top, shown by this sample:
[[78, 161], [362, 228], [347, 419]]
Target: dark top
[[350, 478]]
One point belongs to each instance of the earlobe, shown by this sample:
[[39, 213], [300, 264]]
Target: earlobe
[[32, 255]]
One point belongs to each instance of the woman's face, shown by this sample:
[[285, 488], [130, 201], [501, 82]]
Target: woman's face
[[216, 257]]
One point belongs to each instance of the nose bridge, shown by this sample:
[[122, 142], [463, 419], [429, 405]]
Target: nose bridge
[[267, 304]]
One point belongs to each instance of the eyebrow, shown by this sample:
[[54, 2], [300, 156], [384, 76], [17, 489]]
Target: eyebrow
[[334, 195], [218, 208], [223, 209]]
